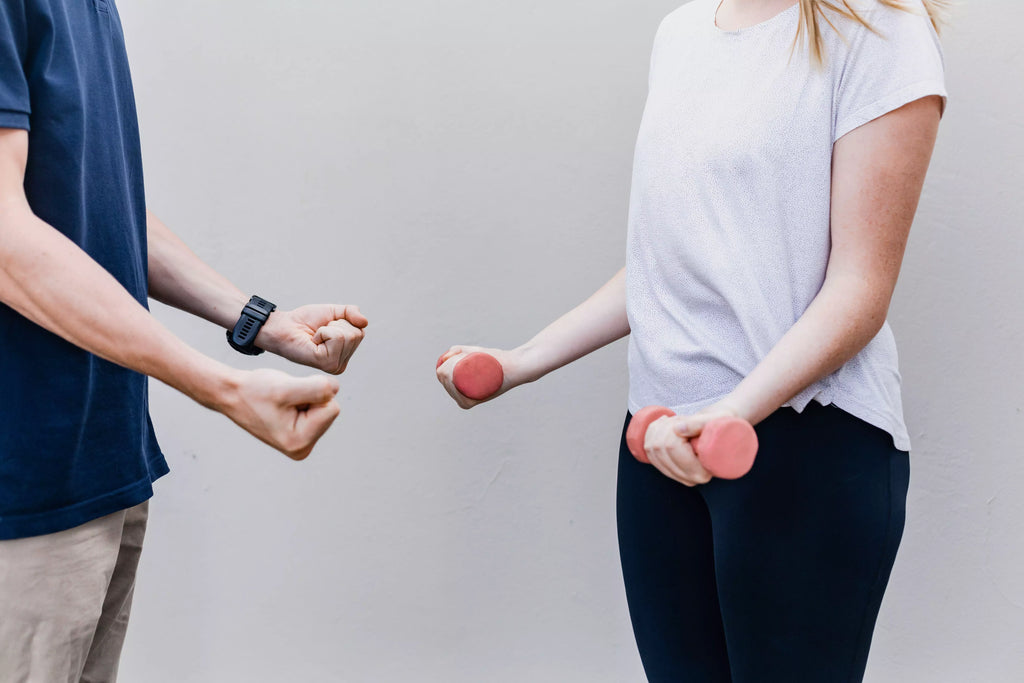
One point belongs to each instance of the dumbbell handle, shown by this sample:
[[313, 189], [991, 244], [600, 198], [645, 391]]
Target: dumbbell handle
[[726, 446], [478, 376]]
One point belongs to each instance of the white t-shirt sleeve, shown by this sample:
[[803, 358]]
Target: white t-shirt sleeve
[[898, 63]]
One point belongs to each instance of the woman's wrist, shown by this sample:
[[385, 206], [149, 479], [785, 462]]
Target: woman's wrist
[[735, 405], [528, 363], [751, 405]]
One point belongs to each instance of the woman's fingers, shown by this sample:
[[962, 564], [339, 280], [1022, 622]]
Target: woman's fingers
[[673, 455], [446, 373], [449, 354], [690, 426], [664, 464]]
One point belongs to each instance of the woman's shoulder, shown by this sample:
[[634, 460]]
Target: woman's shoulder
[[892, 30], [690, 15], [879, 17]]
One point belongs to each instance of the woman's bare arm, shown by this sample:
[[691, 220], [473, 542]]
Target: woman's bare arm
[[598, 321], [878, 171]]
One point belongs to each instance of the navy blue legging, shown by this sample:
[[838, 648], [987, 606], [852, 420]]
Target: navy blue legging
[[775, 577]]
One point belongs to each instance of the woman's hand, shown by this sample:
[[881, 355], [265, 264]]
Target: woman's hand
[[668, 443], [514, 367]]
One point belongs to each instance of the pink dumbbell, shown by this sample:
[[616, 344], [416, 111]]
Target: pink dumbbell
[[477, 376], [726, 446]]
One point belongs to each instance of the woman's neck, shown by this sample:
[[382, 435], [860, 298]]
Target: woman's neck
[[734, 15]]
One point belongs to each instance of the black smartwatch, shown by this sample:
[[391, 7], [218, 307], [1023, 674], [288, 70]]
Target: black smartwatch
[[243, 337]]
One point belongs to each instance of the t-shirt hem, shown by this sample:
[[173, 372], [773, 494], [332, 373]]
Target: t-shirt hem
[[10, 118], [884, 421], [681, 409], [890, 103], [52, 521]]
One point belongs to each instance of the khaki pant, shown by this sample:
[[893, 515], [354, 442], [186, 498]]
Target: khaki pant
[[65, 599]]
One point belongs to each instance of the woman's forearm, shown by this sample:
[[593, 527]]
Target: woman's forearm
[[845, 315], [878, 171], [596, 322]]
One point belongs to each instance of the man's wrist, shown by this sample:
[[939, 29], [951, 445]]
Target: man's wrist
[[221, 391], [208, 382], [270, 333]]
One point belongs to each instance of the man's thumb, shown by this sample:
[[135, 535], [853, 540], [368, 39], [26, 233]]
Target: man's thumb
[[314, 390]]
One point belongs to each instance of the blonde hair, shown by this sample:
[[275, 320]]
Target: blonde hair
[[813, 12]]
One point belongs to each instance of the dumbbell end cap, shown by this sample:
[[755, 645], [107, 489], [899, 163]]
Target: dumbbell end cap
[[637, 430], [478, 376], [727, 447]]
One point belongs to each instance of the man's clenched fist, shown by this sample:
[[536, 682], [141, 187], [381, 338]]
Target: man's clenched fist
[[322, 336]]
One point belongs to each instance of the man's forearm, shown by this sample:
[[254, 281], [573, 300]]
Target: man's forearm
[[841, 320], [179, 278], [322, 336], [51, 281]]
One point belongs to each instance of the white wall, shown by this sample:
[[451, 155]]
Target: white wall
[[955, 606], [345, 151]]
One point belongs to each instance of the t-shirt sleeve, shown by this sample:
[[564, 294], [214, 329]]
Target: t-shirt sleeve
[[897, 63], [15, 105]]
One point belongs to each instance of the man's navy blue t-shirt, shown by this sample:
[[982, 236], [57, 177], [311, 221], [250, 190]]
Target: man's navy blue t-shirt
[[76, 442]]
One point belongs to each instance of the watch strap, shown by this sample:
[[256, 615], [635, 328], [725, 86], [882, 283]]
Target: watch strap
[[243, 337]]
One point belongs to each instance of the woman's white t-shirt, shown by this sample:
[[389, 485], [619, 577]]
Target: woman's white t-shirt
[[729, 230]]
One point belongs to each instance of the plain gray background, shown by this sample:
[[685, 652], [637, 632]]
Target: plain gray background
[[461, 170]]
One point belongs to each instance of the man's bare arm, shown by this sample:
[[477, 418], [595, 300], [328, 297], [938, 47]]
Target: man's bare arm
[[51, 281], [323, 336]]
